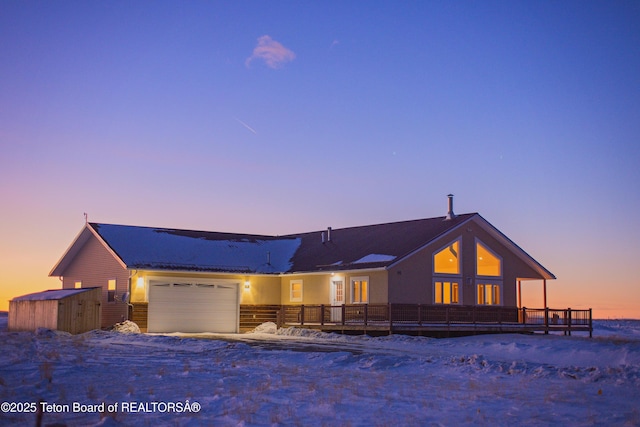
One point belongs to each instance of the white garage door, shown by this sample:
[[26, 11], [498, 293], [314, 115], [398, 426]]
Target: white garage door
[[193, 307]]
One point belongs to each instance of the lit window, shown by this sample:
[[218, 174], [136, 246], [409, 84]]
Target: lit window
[[487, 262], [111, 290], [488, 294], [446, 293], [447, 260], [359, 290], [295, 290], [77, 284]]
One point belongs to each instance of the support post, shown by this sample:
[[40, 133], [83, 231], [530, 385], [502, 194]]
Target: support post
[[546, 320], [544, 292], [590, 323], [343, 313], [322, 314], [569, 320], [302, 315], [519, 293]]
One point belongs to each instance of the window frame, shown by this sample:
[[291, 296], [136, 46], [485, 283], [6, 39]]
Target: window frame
[[352, 281], [459, 258], [439, 289], [77, 284], [291, 284], [492, 252], [111, 293], [493, 284]]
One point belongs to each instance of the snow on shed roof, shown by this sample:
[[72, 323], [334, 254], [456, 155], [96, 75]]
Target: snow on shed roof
[[51, 294], [171, 249]]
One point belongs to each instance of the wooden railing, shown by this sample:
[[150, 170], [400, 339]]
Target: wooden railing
[[424, 314]]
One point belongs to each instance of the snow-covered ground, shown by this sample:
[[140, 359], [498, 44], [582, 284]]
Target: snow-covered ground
[[295, 377]]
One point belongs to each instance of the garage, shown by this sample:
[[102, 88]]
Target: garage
[[193, 306]]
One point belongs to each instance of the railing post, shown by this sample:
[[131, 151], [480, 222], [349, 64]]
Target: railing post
[[419, 314], [343, 314], [302, 315], [322, 314], [524, 315], [569, 320], [366, 314], [590, 324], [546, 320], [390, 317]]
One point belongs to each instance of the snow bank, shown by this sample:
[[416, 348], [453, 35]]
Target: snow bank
[[127, 327], [266, 328]]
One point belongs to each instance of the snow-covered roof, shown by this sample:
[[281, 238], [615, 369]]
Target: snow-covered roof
[[52, 294], [363, 247], [170, 249]]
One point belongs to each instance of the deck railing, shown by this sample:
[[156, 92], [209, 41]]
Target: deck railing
[[424, 314]]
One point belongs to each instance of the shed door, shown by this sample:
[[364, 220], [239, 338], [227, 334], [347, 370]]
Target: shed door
[[193, 307]]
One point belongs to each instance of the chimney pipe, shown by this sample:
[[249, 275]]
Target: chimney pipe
[[450, 214], [322, 237], [328, 234]]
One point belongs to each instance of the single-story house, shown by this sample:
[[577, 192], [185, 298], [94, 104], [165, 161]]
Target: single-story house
[[196, 281]]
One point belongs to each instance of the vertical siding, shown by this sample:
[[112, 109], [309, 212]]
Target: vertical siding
[[30, 315], [94, 266]]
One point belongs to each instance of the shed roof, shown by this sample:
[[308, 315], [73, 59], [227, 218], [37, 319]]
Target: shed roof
[[52, 294]]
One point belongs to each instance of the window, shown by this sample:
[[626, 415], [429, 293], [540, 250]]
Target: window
[[489, 294], [111, 290], [487, 262], [359, 290], [295, 291], [446, 292], [447, 260], [77, 284]]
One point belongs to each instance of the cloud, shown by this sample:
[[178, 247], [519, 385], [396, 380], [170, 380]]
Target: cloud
[[273, 53]]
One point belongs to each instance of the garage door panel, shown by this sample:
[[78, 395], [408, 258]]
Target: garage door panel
[[193, 308]]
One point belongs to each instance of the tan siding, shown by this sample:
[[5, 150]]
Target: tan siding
[[262, 289], [94, 265], [411, 281], [316, 288]]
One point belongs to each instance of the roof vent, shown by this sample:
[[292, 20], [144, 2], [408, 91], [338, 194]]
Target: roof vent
[[450, 214]]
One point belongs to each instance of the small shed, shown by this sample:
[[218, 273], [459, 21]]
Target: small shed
[[71, 310]]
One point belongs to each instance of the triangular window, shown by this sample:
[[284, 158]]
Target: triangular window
[[447, 260]]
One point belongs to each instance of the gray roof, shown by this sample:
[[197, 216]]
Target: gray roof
[[351, 248]]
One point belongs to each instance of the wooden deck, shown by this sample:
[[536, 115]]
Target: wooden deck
[[421, 319]]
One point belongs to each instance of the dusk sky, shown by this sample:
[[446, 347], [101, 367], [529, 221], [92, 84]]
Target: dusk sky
[[283, 117]]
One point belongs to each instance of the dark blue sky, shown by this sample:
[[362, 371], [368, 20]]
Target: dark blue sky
[[175, 114]]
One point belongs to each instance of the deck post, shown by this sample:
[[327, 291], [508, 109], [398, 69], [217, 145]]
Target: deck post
[[546, 320], [590, 324], [322, 314], [519, 293], [366, 315], [524, 315], [343, 313], [390, 318], [302, 315], [569, 320], [419, 314], [544, 292]]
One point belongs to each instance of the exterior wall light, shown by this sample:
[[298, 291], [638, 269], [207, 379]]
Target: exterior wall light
[[140, 283], [247, 285]]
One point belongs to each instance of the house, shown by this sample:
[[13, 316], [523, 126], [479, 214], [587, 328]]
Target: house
[[195, 281]]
